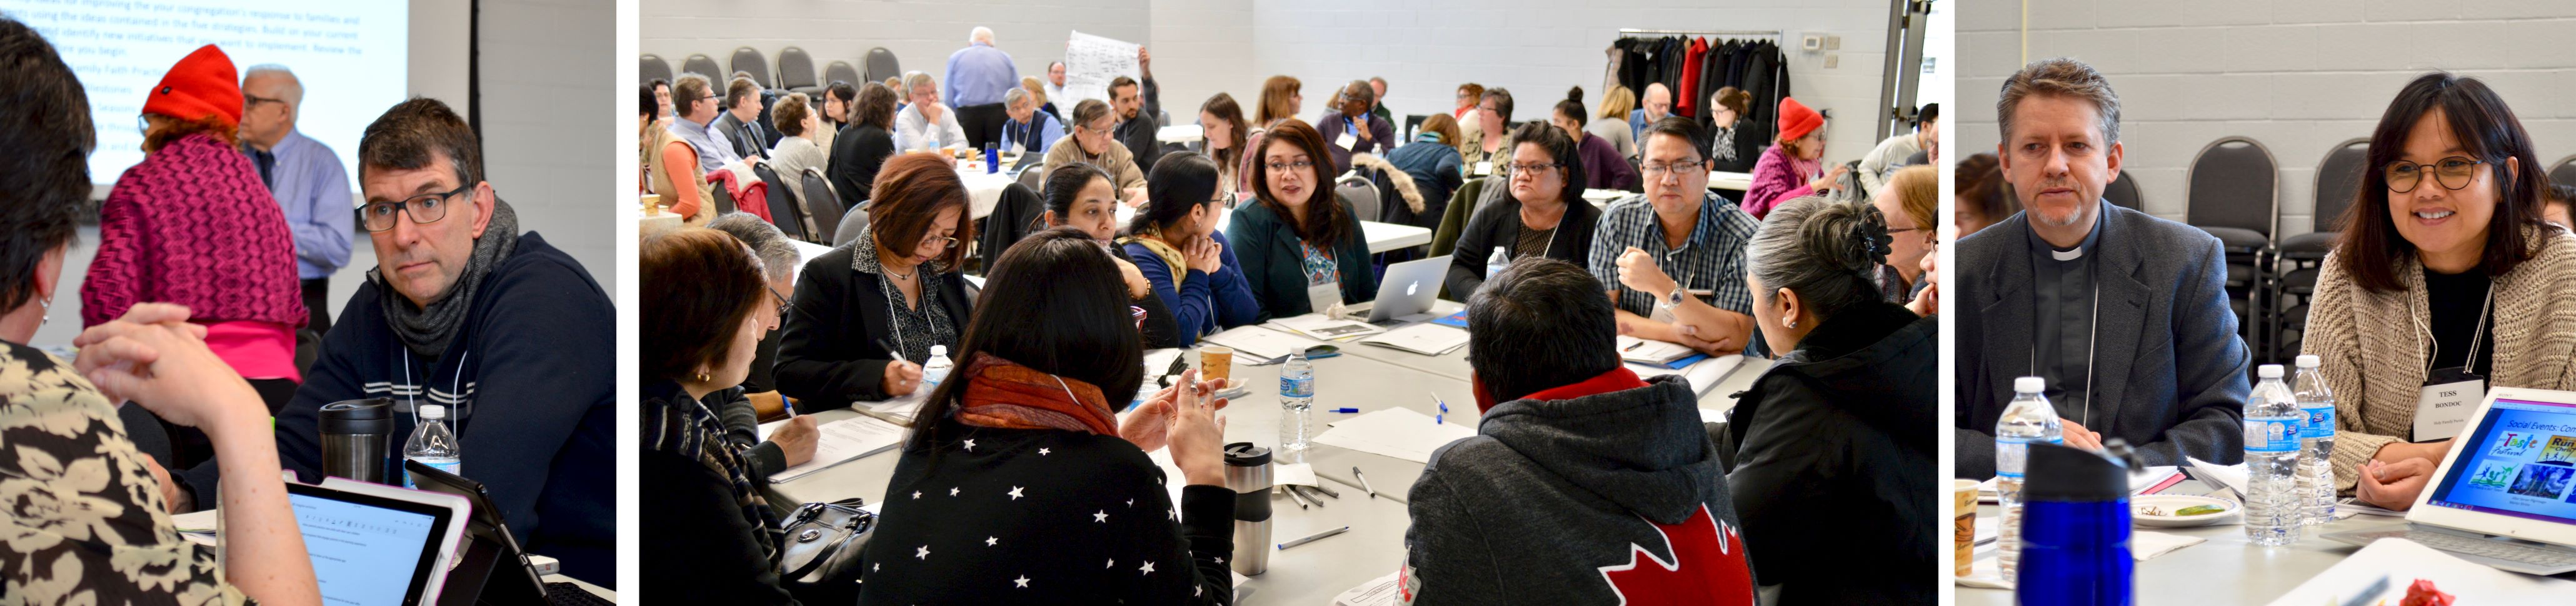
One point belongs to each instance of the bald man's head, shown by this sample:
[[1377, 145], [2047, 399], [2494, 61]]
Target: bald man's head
[[1659, 102]]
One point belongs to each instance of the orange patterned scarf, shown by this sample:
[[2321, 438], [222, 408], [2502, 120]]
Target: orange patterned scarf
[[1004, 395]]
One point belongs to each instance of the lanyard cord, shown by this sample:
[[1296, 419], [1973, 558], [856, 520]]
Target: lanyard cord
[[2468, 363], [891, 319]]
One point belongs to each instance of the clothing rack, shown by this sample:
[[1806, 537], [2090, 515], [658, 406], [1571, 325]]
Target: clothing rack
[[1641, 33]]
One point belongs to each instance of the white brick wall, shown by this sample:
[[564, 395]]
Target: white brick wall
[[1424, 48], [2298, 75], [921, 34]]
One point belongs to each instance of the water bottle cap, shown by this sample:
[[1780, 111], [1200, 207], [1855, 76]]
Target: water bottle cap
[[2268, 371], [433, 411], [2029, 385], [2309, 361], [939, 351]]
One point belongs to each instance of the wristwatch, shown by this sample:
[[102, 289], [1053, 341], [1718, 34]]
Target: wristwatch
[[1674, 299]]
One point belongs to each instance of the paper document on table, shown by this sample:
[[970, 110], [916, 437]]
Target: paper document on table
[[1256, 344], [1425, 338], [1090, 62], [838, 442], [1320, 327], [1394, 432], [2402, 562], [1381, 591], [898, 410], [1704, 375], [2232, 477], [1299, 474], [1646, 351]]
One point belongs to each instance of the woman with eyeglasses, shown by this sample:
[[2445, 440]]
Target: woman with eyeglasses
[[2444, 270], [1300, 243], [194, 224], [867, 313], [1543, 214], [1020, 484], [1910, 201]]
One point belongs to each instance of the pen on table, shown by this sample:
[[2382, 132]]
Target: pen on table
[[1346, 410], [1633, 346], [1364, 485], [1291, 491], [1313, 537], [1310, 498], [1320, 488], [1347, 482]]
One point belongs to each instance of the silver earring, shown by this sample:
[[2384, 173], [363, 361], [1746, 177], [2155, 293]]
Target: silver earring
[[46, 304], [1789, 323]]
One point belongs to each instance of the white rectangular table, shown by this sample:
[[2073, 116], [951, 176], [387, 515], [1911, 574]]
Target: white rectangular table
[[1180, 133], [1730, 181]]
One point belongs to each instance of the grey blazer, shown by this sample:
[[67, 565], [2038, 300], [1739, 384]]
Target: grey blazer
[[2169, 363]]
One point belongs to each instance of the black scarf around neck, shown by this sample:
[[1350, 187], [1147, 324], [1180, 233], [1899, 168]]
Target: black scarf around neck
[[427, 331]]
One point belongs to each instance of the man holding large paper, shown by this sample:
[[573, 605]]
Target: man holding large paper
[[1592, 462]]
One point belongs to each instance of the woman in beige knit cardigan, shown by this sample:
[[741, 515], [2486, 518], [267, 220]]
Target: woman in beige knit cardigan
[[2445, 263]]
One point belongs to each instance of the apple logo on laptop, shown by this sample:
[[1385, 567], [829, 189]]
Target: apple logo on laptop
[[1409, 289]]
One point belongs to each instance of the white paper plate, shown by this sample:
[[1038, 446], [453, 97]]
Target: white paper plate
[[2176, 502]]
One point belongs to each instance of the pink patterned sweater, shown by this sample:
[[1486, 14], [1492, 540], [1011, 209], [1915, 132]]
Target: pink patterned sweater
[[192, 225]]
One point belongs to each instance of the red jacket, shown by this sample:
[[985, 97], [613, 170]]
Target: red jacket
[[193, 225]]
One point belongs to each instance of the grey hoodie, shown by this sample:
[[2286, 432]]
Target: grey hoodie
[[1579, 501]]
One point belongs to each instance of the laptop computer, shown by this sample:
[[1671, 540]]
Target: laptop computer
[[492, 569], [358, 534], [1408, 288], [2502, 496]]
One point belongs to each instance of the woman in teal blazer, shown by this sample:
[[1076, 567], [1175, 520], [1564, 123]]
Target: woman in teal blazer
[[1297, 232]]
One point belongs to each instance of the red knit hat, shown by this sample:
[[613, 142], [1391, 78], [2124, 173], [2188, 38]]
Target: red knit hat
[[1796, 120], [202, 84]]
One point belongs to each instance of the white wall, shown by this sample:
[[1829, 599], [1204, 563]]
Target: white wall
[[543, 79], [2298, 75], [921, 34]]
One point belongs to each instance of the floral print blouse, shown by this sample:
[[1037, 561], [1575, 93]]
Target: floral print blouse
[[85, 523]]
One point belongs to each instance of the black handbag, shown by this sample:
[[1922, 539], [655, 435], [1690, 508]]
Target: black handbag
[[819, 551]]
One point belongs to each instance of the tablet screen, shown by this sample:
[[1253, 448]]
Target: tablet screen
[[367, 550], [2521, 463]]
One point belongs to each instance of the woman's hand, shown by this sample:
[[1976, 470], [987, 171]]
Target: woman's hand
[[796, 439], [2392, 486], [1198, 435], [153, 358], [901, 377], [2399, 452], [1638, 272], [1137, 287], [1928, 302], [1832, 181], [1205, 255], [1150, 426]]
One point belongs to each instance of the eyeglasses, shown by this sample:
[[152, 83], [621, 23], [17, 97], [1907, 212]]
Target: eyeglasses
[[424, 209], [1680, 168], [945, 242], [2453, 173], [1284, 166], [251, 101], [784, 305], [1532, 168]]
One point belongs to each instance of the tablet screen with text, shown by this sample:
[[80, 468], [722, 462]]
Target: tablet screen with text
[[367, 550], [2521, 462]]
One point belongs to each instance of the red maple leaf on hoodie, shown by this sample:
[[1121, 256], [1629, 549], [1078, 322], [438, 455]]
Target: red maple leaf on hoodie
[[1708, 567]]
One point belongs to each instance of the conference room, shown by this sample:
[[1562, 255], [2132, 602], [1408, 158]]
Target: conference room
[[334, 239], [2204, 246], [917, 271]]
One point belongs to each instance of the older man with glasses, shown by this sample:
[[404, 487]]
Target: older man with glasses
[[305, 176], [466, 312]]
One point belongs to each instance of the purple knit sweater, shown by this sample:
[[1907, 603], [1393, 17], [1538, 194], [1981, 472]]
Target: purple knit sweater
[[192, 225]]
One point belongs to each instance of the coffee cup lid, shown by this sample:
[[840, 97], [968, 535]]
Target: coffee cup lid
[[1244, 454]]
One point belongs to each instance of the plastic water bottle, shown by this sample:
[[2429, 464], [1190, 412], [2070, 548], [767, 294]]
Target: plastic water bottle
[[2028, 419], [433, 444], [936, 368], [2272, 498], [2316, 442], [1296, 404]]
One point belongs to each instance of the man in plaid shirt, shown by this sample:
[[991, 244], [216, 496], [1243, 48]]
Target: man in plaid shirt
[[1677, 238]]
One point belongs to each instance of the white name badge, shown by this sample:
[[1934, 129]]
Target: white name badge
[[1346, 141], [1324, 296], [1484, 168], [2443, 409]]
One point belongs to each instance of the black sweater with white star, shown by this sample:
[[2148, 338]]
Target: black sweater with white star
[[1013, 516]]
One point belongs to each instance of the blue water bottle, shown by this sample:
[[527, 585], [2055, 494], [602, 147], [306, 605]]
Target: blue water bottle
[[992, 158], [2075, 528]]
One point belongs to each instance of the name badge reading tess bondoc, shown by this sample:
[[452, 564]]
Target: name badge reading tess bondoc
[[1323, 296], [2443, 408]]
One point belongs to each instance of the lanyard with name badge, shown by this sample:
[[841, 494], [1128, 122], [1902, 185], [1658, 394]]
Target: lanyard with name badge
[[2442, 407]]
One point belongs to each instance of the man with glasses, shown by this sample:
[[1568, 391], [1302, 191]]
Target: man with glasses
[[698, 110], [2124, 314], [1094, 142], [464, 311], [1350, 128], [307, 179], [1674, 257]]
